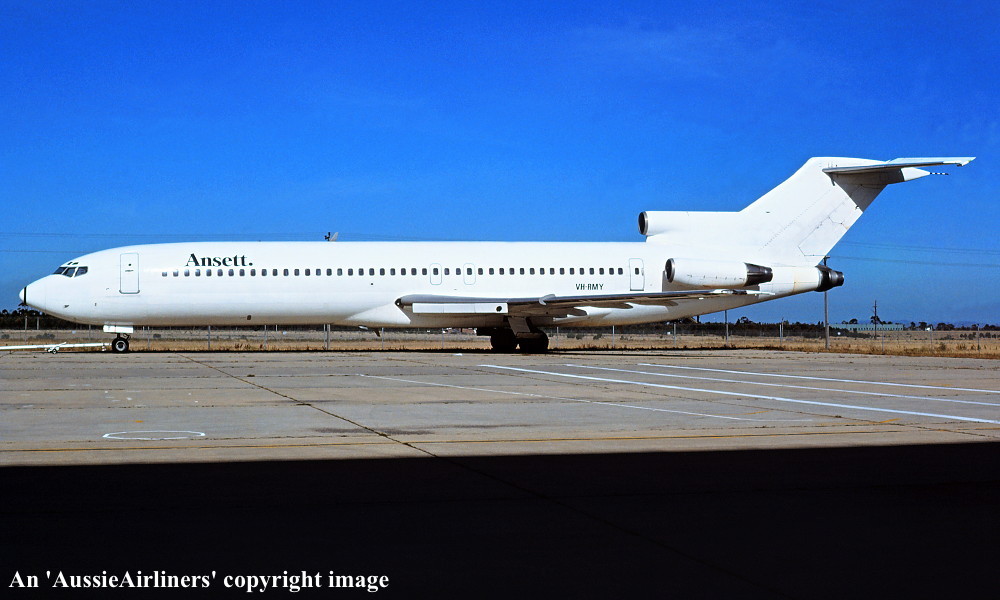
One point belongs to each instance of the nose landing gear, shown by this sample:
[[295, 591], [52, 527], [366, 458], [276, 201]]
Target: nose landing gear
[[120, 343]]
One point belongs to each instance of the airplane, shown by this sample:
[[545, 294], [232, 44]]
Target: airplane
[[691, 263]]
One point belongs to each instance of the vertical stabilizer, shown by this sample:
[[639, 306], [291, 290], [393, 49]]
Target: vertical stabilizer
[[799, 221]]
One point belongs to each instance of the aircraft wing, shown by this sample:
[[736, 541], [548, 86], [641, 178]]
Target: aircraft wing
[[550, 305]]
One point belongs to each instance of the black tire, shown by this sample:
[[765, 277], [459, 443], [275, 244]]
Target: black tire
[[119, 345], [504, 343], [535, 345]]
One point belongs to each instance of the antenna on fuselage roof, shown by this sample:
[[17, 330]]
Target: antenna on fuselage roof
[[331, 237]]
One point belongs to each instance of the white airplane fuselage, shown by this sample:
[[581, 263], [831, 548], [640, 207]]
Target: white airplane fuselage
[[345, 283]]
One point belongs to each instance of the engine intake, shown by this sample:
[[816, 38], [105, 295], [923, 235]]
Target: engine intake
[[698, 273]]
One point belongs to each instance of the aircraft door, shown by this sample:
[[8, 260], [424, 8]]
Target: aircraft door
[[129, 273], [637, 275], [469, 272], [436, 274]]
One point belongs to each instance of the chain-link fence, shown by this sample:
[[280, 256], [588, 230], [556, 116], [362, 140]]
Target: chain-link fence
[[686, 335]]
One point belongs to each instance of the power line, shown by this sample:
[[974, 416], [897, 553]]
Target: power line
[[923, 248], [915, 262]]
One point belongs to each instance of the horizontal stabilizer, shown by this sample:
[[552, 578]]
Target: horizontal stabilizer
[[901, 163]]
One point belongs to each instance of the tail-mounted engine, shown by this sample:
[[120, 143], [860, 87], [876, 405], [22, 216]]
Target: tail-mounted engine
[[829, 279], [696, 273]]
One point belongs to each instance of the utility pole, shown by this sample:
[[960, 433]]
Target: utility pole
[[826, 311], [726, 312], [876, 321]]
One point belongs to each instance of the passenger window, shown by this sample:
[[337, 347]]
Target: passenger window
[[423, 271], [371, 271], [381, 271], [197, 272], [522, 270], [572, 271], [602, 270], [501, 271], [243, 272], [591, 270], [637, 270], [286, 272], [253, 272], [164, 273], [340, 272], [562, 270], [350, 271], [187, 272], [413, 271], [297, 272], [232, 272], [208, 273], [531, 271], [480, 270], [176, 273], [491, 270], [447, 271], [330, 272], [392, 271], [219, 272]]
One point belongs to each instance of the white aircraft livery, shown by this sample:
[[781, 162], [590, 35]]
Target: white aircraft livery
[[691, 263]]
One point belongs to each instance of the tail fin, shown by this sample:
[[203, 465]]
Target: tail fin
[[799, 221]]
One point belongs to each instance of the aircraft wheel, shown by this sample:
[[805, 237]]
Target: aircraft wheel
[[120, 345], [535, 345], [503, 342]]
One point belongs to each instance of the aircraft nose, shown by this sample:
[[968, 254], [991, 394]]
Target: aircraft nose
[[35, 292]]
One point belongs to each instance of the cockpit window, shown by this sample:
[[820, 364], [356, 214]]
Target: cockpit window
[[71, 271]]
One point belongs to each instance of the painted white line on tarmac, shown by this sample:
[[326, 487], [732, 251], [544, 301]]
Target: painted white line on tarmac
[[912, 385], [742, 395], [618, 404], [781, 385]]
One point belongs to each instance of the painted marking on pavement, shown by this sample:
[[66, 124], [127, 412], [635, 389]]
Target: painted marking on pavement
[[912, 385], [743, 395], [618, 404]]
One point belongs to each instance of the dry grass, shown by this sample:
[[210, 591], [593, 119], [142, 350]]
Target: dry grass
[[905, 343]]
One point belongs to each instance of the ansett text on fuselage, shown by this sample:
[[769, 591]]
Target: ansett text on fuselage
[[217, 261]]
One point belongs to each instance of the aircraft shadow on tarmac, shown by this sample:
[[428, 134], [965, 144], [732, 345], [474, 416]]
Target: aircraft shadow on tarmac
[[889, 521]]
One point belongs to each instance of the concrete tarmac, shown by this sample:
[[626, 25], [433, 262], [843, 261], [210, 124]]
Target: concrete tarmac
[[689, 474]]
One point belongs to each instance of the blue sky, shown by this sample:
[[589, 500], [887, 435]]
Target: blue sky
[[519, 121]]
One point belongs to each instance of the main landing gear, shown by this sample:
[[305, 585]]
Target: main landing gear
[[519, 333], [120, 343]]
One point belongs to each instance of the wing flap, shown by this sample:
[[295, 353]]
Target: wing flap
[[549, 305]]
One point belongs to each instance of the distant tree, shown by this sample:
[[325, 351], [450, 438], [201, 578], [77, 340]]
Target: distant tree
[[853, 322]]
